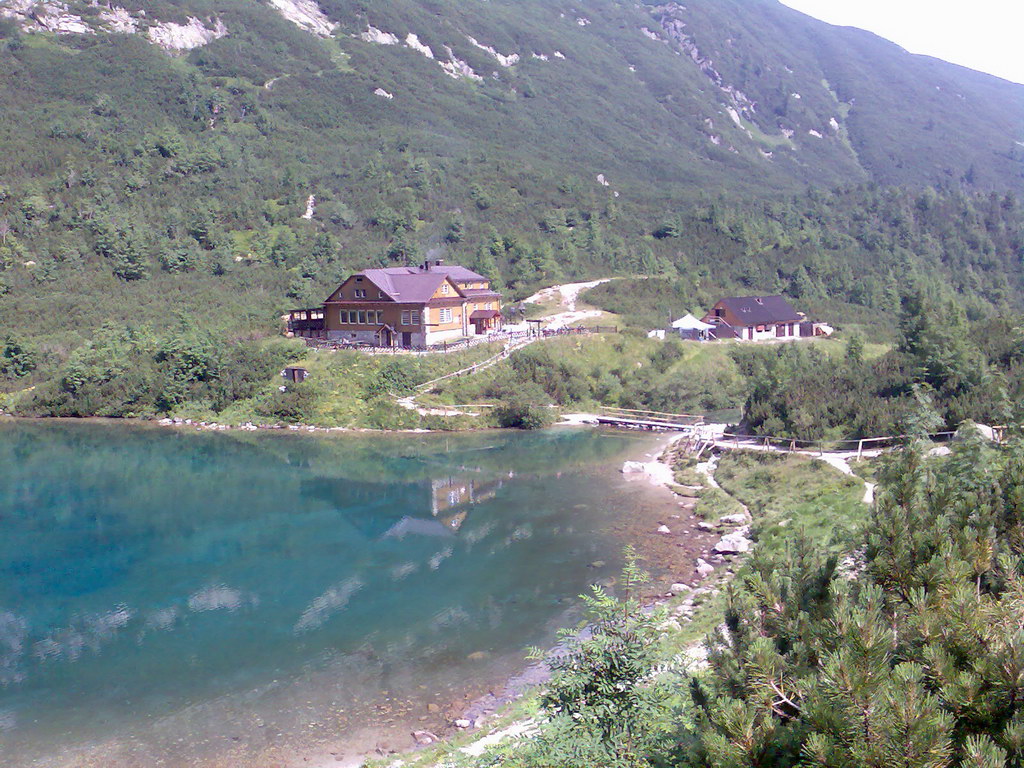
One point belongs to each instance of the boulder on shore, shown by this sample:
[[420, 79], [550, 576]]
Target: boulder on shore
[[735, 543], [704, 568], [739, 519]]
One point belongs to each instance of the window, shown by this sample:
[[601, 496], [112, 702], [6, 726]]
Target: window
[[446, 315], [342, 317], [405, 317], [444, 288], [360, 293], [362, 317], [415, 317]]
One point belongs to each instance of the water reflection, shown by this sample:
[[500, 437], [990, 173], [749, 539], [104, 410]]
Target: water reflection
[[144, 570]]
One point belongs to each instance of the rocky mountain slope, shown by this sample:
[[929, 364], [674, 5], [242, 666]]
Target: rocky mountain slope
[[726, 91]]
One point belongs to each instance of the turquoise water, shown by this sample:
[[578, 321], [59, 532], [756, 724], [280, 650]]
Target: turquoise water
[[181, 595]]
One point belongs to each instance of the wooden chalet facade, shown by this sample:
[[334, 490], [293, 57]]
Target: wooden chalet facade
[[405, 307], [755, 318]]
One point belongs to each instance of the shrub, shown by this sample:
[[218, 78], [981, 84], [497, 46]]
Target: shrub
[[524, 408], [603, 704], [16, 358]]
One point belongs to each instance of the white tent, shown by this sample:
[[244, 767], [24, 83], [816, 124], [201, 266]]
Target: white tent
[[690, 323]]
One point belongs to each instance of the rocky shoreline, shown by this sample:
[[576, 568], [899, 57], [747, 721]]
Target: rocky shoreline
[[692, 546]]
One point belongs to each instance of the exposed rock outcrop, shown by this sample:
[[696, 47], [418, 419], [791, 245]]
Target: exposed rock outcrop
[[306, 14], [48, 16], [456, 67], [503, 59], [56, 17], [378, 36], [673, 28], [119, 19], [184, 37], [413, 41]]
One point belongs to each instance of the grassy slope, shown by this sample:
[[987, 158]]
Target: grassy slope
[[348, 389], [787, 493]]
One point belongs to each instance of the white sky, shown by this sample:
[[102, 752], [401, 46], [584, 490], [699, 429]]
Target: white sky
[[987, 35]]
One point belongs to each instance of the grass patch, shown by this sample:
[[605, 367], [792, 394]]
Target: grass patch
[[623, 370], [867, 469], [714, 504], [355, 390], [786, 493]]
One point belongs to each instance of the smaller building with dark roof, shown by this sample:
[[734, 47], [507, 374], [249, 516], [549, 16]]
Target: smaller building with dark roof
[[754, 318]]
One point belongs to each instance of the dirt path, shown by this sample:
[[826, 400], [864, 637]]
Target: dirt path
[[567, 296]]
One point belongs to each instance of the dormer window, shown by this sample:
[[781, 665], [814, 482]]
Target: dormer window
[[759, 301], [360, 293]]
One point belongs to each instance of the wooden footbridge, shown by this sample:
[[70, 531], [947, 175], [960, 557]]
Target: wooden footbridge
[[649, 420]]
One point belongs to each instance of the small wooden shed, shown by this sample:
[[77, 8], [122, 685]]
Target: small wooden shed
[[295, 374]]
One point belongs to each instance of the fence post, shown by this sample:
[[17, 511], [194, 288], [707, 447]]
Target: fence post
[[860, 449]]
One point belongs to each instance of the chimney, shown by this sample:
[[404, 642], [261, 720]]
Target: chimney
[[438, 262]]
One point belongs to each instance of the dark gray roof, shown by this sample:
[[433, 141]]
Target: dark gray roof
[[758, 310], [416, 285], [458, 274], [404, 286]]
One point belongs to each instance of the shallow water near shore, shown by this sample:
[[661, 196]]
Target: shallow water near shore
[[173, 598]]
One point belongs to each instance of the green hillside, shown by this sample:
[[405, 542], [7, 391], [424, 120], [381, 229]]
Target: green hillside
[[141, 186]]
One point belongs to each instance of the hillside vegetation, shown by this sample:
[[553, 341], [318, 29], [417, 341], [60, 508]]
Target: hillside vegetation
[[734, 147]]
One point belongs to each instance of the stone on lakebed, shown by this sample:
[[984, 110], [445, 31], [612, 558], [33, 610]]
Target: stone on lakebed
[[704, 568]]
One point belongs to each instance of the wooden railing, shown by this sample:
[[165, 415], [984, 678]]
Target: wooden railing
[[652, 420], [627, 413], [842, 445]]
